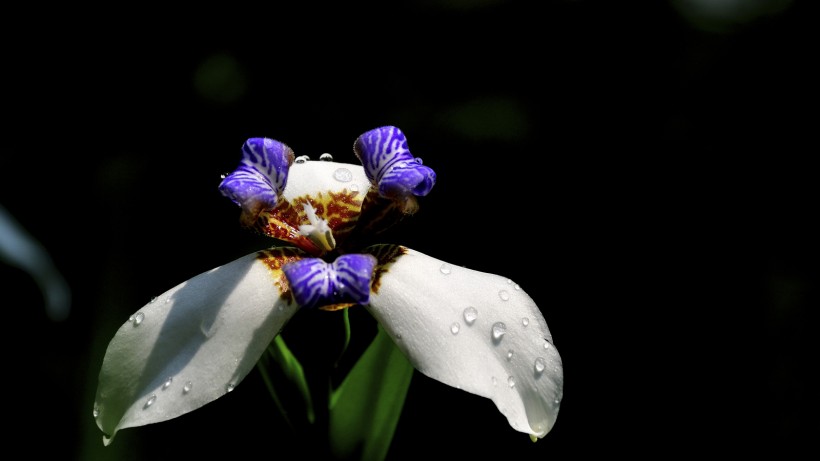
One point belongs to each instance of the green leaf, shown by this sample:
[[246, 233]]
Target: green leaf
[[365, 409], [289, 372]]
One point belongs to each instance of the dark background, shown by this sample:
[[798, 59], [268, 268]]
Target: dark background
[[642, 169]]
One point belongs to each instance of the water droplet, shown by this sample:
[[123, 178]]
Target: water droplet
[[498, 330], [150, 401], [137, 318], [556, 402], [470, 314], [230, 387], [540, 364], [326, 157], [517, 286], [419, 161], [153, 299], [504, 295], [167, 300], [223, 176], [95, 412], [167, 383], [495, 381], [454, 328], [187, 387], [343, 175], [509, 281], [302, 159], [525, 321], [398, 335], [354, 187], [445, 269], [511, 381], [510, 354], [546, 345]]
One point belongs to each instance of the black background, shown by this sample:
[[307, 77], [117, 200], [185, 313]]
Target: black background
[[646, 175]]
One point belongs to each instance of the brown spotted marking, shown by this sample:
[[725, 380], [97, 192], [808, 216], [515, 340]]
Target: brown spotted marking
[[275, 258], [386, 254]]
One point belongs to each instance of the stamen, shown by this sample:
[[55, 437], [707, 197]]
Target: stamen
[[343, 283], [318, 231]]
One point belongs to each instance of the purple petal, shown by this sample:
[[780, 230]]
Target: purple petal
[[316, 283], [258, 181], [388, 163]]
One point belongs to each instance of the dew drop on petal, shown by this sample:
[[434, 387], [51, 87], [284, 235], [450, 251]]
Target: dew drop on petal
[[230, 387], [525, 321], [301, 159], [470, 314], [167, 383], [419, 161], [153, 299], [342, 175], [187, 387], [96, 411], [137, 318], [445, 269], [504, 295], [150, 401], [540, 364], [546, 344], [326, 157], [454, 328], [517, 286], [354, 187], [498, 330], [511, 381], [510, 354]]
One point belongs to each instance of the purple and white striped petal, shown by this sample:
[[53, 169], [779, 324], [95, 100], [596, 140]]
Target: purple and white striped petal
[[259, 180], [342, 283], [389, 164]]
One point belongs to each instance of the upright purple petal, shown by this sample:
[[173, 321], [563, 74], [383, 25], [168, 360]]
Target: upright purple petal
[[389, 164], [259, 180]]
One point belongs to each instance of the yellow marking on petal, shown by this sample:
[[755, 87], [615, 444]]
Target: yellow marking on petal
[[336, 307], [275, 258]]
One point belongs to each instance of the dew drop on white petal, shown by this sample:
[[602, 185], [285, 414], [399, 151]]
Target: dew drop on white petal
[[470, 314], [167, 300], [230, 387], [418, 160], [150, 400], [454, 328], [138, 318], [504, 295], [153, 299], [510, 354], [509, 281], [187, 387], [511, 381], [525, 321], [167, 383], [445, 269], [223, 176], [354, 187], [540, 364], [96, 411], [301, 159], [342, 174], [517, 286], [498, 330], [546, 345], [326, 157]]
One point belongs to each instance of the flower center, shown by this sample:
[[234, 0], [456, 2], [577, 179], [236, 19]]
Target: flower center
[[318, 230]]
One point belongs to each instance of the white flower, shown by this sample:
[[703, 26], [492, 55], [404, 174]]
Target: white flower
[[473, 330]]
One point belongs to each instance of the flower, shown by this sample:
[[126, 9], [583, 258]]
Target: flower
[[472, 330]]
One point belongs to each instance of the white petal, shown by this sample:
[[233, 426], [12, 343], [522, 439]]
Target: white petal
[[190, 345], [331, 177], [443, 318]]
